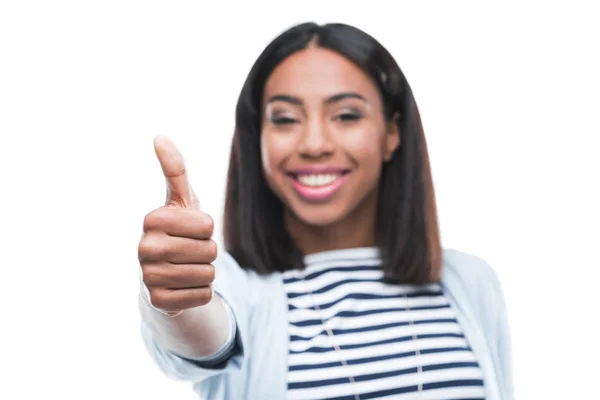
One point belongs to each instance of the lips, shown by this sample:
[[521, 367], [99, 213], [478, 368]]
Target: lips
[[318, 184]]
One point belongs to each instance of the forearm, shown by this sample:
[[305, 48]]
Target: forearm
[[197, 332]]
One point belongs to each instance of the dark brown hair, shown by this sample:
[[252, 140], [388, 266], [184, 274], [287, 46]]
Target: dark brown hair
[[407, 226]]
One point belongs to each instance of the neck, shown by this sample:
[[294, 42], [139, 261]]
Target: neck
[[358, 229]]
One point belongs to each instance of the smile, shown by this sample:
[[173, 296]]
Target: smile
[[318, 186], [314, 180]]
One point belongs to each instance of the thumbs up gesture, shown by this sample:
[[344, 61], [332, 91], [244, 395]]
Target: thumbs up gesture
[[176, 250]]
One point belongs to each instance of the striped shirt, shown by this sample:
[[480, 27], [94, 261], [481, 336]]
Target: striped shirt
[[395, 340]]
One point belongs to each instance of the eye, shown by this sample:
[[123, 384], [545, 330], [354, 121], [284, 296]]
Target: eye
[[349, 117], [283, 120]]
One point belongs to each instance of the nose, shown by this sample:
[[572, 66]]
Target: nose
[[315, 141]]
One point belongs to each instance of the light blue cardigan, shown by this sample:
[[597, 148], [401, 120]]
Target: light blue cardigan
[[259, 370]]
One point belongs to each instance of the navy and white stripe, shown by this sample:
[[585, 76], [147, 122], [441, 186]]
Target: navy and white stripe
[[374, 326]]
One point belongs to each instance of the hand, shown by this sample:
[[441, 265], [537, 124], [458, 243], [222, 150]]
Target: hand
[[176, 250]]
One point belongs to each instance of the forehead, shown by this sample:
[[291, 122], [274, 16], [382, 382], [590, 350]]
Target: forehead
[[317, 73]]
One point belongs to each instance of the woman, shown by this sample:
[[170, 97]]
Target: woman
[[333, 283]]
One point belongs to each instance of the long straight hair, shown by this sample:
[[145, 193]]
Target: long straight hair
[[407, 223]]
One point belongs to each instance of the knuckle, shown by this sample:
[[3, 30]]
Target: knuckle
[[205, 295], [156, 219], [211, 250], [158, 299], [210, 273], [160, 251], [152, 248], [209, 224], [150, 221], [151, 276], [143, 248]]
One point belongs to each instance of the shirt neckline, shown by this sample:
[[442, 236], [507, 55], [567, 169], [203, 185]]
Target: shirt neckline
[[350, 254]]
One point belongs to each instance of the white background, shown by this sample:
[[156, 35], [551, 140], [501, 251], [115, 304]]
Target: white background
[[509, 95]]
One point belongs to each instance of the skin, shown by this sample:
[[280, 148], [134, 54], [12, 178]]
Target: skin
[[175, 254], [322, 128], [307, 122]]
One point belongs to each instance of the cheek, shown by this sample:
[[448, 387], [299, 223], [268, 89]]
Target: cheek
[[274, 152], [367, 151], [370, 161], [366, 146], [266, 155]]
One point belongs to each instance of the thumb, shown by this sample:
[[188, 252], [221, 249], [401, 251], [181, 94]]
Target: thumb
[[179, 191]]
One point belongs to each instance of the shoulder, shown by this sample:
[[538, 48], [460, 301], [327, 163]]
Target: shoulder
[[475, 287], [472, 271], [471, 279]]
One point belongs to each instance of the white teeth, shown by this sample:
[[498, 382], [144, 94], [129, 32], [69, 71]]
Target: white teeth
[[318, 180]]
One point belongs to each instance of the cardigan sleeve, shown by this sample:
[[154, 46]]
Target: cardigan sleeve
[[488, 288], [503, 340], [232, 284], [483, 290]]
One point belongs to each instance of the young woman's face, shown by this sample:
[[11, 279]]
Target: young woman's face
[[324, 136]]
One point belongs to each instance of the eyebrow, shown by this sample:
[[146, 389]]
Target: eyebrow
[[332, 99]]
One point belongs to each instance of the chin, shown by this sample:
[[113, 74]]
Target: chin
[[319, 218]]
